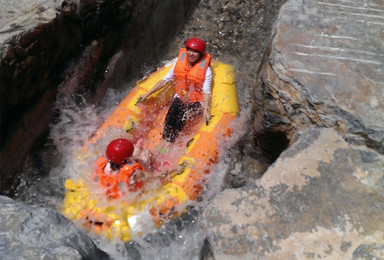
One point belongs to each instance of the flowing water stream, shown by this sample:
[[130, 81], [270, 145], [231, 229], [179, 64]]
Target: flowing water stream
[[237, 32]]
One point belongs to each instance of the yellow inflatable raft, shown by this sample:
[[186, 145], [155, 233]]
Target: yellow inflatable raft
[[197, 147]]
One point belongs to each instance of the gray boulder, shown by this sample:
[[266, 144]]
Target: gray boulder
[[325, 68], [35, 233], [322, 198]]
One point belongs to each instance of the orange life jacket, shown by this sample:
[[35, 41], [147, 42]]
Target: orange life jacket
[[113, 182], [189, 81]]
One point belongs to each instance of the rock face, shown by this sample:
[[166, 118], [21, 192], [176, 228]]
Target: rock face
[[325, 67], [40, 39], [36, 233], [321, 199]]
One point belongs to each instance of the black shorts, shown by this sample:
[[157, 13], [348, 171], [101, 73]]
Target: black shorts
[[177, 114]]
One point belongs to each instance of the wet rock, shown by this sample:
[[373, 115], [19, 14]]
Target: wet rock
[[37, 233], [322, 198], [325, 68], [246, 164]]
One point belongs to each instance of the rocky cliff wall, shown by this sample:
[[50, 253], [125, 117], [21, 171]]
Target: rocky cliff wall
[[45, 44]]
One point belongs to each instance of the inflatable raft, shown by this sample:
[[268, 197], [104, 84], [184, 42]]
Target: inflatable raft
[[196, 148]]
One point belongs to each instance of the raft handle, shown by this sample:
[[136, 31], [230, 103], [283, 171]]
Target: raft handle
[[190, 141], [130, 129]]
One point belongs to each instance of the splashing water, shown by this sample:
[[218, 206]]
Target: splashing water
[[180, 238]]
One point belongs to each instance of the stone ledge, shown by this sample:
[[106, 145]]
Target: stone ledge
[[17, 17]]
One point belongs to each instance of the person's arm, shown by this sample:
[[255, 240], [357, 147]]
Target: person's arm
[[207, 107], [159, 85], [207, 95], [166, 176]]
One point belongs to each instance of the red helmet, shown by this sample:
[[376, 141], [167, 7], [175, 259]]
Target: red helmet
[[119, 150], [196, 44]]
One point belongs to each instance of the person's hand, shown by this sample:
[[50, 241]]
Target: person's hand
[[181, 168], [141, 98], [159, 85]]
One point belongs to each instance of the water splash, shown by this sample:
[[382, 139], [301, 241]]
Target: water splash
[[180, 238]]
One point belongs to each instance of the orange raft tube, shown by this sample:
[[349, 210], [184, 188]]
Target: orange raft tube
[[197, 147]]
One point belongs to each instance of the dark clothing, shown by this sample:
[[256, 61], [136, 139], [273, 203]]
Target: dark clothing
[[177, 115]]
